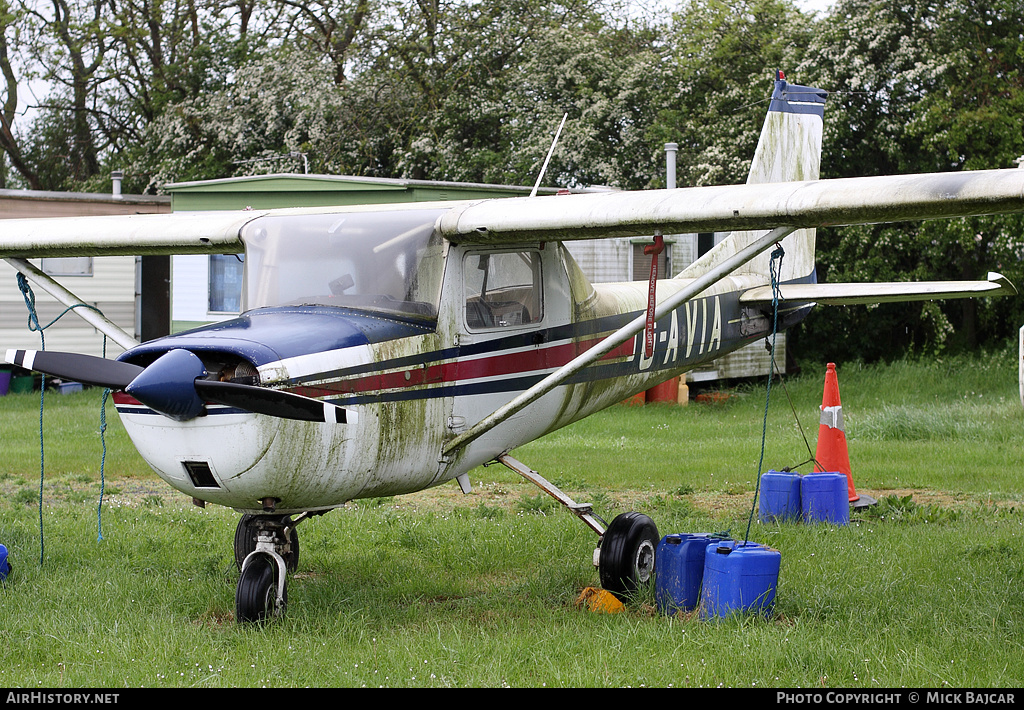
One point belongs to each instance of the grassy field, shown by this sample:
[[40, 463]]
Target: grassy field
[[441, 589]]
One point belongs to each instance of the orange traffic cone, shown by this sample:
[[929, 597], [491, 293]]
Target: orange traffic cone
[[832, 454]]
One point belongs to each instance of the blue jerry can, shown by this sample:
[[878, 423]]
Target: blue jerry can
[[825, 498], [5, 566], [780, 497], [739, 577], [679, 569]]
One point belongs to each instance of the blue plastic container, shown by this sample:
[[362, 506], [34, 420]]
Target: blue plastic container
[[739, 577], [679, 569], [5, 566], [780, 497], [69, 387], [825, 498]]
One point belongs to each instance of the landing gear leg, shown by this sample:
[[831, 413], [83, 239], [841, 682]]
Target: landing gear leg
[[283, 527], [625, 553], [266, 549]]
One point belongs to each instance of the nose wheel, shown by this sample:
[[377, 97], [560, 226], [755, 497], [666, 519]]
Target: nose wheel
[[261, 592], [266, 549]]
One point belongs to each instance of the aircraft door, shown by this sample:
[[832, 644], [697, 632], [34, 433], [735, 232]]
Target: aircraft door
[[507, 319]]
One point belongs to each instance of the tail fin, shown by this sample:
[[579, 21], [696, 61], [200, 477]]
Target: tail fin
[[789, 150]]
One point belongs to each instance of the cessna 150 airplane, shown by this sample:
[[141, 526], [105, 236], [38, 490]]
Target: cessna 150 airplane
[[384, 350]]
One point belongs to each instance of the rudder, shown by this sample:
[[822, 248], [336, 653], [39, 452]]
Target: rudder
[[788, 150]]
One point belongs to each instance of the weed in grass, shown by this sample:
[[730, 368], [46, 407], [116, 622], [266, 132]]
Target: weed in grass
[[540, 504], [1002, 551], [903, 509], [489, 512], [26, 496]]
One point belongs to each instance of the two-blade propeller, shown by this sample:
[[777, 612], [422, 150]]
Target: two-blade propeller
[[175, 385]]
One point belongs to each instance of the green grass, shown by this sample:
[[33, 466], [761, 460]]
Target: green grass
[[926, 589]]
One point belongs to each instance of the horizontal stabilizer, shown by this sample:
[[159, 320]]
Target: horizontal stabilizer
[[847, 294]]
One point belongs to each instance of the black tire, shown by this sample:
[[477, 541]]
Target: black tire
[[245, 540], [627, 554], [256, 595]]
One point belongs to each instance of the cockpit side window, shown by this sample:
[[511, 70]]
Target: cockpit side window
[[502, 289]]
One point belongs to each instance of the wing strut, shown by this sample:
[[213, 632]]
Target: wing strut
[[616, 339], [94, 318]]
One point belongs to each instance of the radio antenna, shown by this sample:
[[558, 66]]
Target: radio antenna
[[551, 150]]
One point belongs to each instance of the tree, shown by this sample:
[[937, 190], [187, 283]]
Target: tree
[[330, 29], [277, 103], [461, 70], [608, 82], [918, 87], [724, 58], [468, 92], [72, 45], [114, 66], [9, 143]]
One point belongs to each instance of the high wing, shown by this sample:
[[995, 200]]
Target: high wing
[[817, 203], [125, 235]]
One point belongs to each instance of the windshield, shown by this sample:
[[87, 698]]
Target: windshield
[[381, 261]]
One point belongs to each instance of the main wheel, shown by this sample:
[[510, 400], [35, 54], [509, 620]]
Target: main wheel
[[627, 553], [256, 596], [247, 531]]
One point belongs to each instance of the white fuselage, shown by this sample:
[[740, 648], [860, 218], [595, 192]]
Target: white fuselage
[[406, 396]]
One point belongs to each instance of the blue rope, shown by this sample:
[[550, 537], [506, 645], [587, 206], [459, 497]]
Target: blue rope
[[103, 460], [33, 324], [774, 272], [30, 302]]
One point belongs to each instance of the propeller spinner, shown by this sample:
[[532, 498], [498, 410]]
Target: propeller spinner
[[175, 385]]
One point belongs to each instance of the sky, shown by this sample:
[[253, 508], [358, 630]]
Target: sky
[[659, 7], [819, 6]]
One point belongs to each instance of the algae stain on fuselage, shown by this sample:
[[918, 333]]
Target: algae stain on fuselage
[[410, 430]]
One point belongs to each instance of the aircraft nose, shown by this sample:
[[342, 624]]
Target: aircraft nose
[[168, 385], [175, 384]]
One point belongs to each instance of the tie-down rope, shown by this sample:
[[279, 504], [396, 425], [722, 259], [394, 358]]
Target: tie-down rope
[[33, 324]]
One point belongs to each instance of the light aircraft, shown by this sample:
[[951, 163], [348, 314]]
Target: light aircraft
[[388, 349]]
